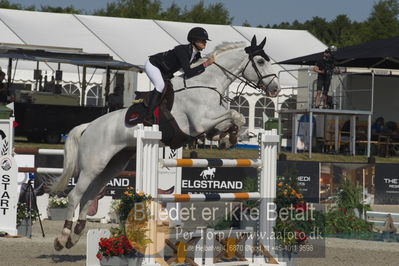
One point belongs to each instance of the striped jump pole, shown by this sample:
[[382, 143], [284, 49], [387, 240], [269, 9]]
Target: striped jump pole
[[39, 151], [210, 163], [58, 171], [209, 197]]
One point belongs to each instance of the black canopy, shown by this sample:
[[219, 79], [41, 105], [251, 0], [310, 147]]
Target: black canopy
[[376, 54], [75, 58]]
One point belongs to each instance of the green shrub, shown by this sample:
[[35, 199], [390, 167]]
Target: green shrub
[[342, 218]]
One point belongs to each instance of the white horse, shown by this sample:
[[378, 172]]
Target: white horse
[[99, 150]]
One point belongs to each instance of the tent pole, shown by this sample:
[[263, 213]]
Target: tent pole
[[310, 134], [294, 133], [279, 132], [336, 134], [368, 135], [37, 80], [372, 111], [107, 85], [352, 141], [84, 85], [9, 69]]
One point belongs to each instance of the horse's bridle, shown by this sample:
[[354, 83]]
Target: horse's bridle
[[244, 80], [241, 76]]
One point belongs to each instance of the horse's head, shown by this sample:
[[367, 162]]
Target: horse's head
[[259, 69]]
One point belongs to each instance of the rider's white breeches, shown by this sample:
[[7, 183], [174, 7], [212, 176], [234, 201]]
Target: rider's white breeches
[[155, 76]]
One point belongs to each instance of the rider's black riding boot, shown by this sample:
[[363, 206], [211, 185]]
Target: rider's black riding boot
[[154, 101]]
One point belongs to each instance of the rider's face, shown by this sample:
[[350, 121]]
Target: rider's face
[[327, 55], [200, 44]]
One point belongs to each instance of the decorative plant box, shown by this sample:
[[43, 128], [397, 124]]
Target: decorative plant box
[[57, 214], [121, 261], [114, 261], [25, 228]]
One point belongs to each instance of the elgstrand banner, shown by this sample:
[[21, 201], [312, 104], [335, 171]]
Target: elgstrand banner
[[218, 180]]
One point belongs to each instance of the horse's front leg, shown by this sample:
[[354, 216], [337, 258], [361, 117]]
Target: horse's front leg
[[74, 198], [85, 203], [115, 166], [230, 125], [225, 120]]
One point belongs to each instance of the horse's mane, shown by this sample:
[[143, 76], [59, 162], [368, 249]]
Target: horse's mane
[[224, 46]]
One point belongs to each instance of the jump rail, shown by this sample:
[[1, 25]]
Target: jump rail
[[209, 197], [39, 151], [211, 163], [58, 171]]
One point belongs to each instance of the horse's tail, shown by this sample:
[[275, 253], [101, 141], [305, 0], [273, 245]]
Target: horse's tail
[[71, 167]]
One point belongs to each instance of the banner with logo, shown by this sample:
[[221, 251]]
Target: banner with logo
[[307, 174], [332, 175], [386, 184], [218, 180]]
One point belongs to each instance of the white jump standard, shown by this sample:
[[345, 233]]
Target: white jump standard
[[147, 166]]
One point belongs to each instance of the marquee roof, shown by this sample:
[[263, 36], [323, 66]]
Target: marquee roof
[[376, 54], [133, 40]]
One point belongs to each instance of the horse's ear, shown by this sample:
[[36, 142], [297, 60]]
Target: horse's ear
[[262, 44], [253, 42]]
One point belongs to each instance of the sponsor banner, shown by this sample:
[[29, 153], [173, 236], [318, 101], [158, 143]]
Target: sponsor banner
[[386, 184], [217, 180], [332, 175], [115, 187], [307, 174]]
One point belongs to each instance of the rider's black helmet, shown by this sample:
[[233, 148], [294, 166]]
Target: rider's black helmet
[[197, 34], [331, 50]]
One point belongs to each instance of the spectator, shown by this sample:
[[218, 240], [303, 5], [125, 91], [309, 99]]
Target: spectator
[[324, 67], [115, 99], [391, 129], [377, 128]]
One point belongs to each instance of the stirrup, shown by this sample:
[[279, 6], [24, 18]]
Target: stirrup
[[149, 121]]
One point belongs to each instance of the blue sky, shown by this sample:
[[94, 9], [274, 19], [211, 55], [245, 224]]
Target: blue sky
[[254, 11]]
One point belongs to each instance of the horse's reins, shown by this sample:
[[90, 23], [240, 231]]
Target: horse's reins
[[242, 78]]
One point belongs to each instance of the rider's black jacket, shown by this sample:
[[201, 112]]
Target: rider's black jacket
[[178, 58]]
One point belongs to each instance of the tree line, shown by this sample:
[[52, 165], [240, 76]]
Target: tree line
[[342, 31]]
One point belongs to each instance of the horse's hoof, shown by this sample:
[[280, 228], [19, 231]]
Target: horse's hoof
[[69, 243], [57, 245]]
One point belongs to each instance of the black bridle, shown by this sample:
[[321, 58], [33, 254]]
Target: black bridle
[[241, 76], [244, 80]]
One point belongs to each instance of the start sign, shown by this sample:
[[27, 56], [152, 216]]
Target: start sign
[[8, 194]]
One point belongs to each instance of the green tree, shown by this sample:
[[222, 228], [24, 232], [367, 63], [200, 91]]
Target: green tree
[[7, 5], [173, 13], [343, 32], [149, 9], [212, 14], [152, 9], [68, 10], [383, 21]]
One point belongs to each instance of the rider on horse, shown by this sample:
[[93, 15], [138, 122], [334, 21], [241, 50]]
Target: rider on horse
[[162, 66]]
